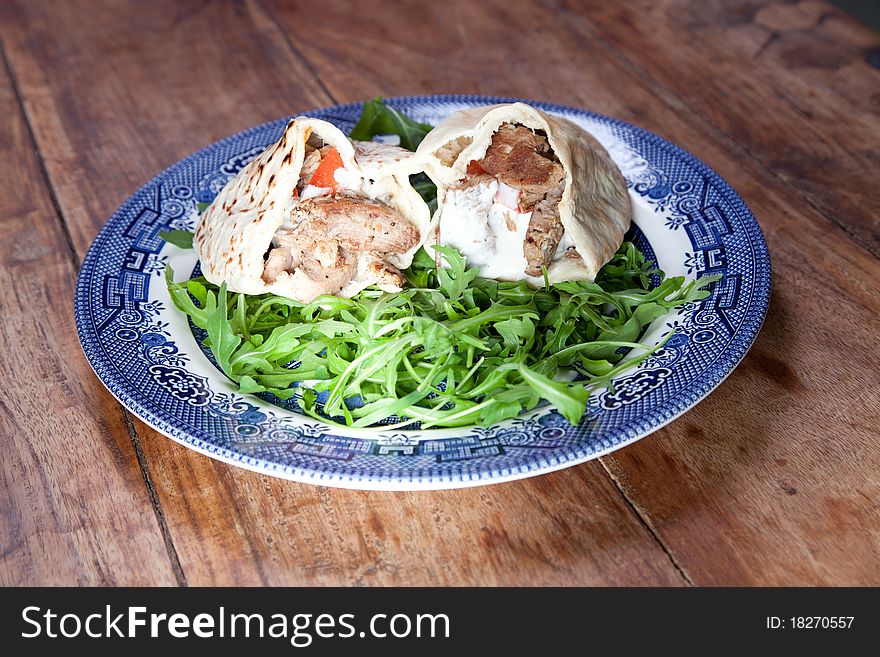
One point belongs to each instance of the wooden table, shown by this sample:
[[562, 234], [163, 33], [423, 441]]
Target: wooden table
[[774, 479]]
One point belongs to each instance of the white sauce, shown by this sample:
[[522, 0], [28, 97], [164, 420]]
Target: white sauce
[[507, 196], [347, 180], [310, 191], [475, 224], [349, 183]]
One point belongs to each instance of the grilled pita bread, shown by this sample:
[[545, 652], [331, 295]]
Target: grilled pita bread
[[236, 233], [595, 208]]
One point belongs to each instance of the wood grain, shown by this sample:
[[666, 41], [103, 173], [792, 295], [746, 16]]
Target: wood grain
[[775, 478], [232, 526], [101, 92], [827, 154], [790, 84], [771, 480], [73, 507], [228, 525], [722, 504]]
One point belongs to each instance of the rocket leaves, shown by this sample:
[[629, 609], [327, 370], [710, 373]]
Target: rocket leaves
[[377, 118], [452, 349]]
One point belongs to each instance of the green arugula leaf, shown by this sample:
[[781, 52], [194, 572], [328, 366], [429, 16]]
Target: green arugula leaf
[[518, 331], [455, 279], [377, 118], [182, 239], [570, 399], [451, 350], [181, 297], [223, 339]]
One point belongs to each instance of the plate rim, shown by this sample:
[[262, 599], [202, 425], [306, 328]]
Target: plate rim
[[627, 433]]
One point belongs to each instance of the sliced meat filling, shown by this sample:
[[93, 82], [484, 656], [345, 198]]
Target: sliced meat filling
[[523, 159], [315, 154], [388, 277], [310, 164], [328, 234], [357, 223], [327, 266], [544, 232]]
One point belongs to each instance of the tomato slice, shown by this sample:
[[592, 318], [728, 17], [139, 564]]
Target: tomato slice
[[474, 167], [323, 176]]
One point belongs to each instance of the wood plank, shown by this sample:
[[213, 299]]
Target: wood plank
[[571, 527], [102, 93], [799, 415], [804, 101], [804, 131], [775, 479], [123, 108], [808, 40], [73, 505]]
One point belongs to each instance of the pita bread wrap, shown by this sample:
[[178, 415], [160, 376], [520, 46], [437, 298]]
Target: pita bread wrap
[[258, 213], [594, 207]]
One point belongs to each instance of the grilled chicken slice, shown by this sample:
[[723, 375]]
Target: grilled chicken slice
[[279, 259], [324, 262], [333, 240], [388, 277], [357, 224]]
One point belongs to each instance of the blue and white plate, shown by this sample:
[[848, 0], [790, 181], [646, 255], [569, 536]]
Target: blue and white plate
[[145, 352]]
